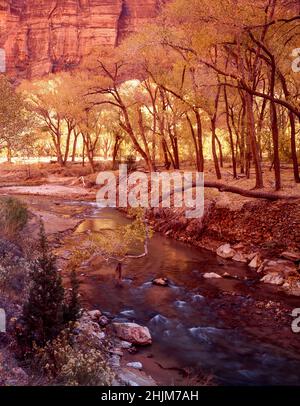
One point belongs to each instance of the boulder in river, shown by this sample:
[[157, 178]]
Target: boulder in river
[[133, 333], [161, 282], [227, 275], [212, 275], [225, 251]]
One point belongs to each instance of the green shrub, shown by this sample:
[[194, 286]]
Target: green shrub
[[13, 215]]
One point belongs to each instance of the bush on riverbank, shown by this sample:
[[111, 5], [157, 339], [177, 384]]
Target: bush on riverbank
[[13, 215], [65, 362]]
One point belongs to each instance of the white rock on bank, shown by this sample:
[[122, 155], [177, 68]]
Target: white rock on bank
[[129, 377], [225, 251], [125, 345], [135, 365]]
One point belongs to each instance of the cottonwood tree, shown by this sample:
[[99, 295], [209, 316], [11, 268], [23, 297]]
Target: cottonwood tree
[[55, 102], [15, 121], [111, 91], [236, 41]]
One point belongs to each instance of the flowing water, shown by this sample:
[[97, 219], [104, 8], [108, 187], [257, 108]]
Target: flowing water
[[186, 331]]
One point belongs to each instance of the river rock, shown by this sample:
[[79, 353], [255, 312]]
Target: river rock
[[135, 365], [212, 275], [225, 251], [161, 282], [239, 246], [292, 287], [283, 266], [89, 329], [115, 361], [240, 257], [125, 345], [103, 321], [273, 278], [291, 255], [255, 262], [117, 351], [129, 377], [133, 333], [227, 275]]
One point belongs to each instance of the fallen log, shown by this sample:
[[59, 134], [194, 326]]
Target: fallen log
[[259, 194]]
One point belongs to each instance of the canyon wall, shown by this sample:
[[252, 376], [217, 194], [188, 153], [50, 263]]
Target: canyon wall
[[45, 36]]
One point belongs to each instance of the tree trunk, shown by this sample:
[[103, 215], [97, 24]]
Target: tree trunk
[[220, 151], [165, 153], [254, 147], [115, 151], [274, 126], [83, 152], [213, 135], [200, 142], [243, 133], [74, 146], [294, 148], [214, 151], [9, 153], [233, 159], [275, 136], [293, 130], [119, 271], [194, 141]]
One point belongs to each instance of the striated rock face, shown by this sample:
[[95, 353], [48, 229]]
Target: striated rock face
[[44, 36]]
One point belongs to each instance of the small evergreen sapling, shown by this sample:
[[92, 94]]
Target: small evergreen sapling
[[72, 309]]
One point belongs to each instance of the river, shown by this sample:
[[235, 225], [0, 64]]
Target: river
[[188, 332]]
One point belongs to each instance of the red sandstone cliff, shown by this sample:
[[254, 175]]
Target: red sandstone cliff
[[43, 36]]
